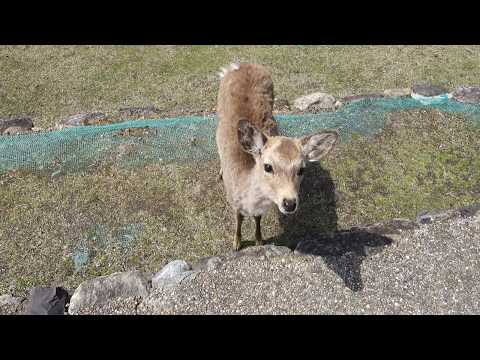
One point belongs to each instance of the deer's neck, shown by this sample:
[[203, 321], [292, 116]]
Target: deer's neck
[[253, 195]]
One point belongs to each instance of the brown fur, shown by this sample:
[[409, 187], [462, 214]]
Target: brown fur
[[288, 149], [246, 93]]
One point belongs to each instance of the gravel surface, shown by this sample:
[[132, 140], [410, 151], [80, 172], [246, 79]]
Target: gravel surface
[[430, 270]]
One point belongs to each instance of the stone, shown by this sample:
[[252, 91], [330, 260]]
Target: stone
[[47, 301], [173, 274], [16, 125], [105, 288], [84, 119], [321, 100], [172, 269], [281, 105], [172, 281], [426, 89], [470, 210], [427, 218], [397, 92], [467, 94], [14, 130]]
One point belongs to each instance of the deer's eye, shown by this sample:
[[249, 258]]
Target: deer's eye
[[268, 168], [300, 171]]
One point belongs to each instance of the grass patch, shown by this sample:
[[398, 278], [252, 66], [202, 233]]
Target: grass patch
[[112, 219], [423, 160], [50, 83]]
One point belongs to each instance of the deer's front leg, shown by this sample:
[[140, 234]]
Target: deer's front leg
[[238, 233], [258, 231]]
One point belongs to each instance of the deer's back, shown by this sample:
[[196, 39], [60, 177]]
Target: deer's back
[[245, 93]]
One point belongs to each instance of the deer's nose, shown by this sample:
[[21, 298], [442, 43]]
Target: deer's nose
[[289, 204]]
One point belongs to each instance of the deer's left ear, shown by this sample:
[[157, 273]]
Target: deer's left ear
[[317, 146], [251, 139]]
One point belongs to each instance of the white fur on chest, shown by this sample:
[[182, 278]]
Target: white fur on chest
[[253, 204]]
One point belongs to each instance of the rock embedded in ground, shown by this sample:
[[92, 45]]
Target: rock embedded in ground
[[172, 269], [469, 210], [172, 274], [426, 89], [106, 288], [84, 119], [47, 301], [281, 105], [14, 130], [427, 218], [467, 94], [16, 125], [174, 280], [397, 92], [319, 99], [319, 108]]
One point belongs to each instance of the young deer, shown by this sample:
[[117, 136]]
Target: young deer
[[259, 168]]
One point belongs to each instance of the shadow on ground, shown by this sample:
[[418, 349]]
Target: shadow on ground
[[313, 230]]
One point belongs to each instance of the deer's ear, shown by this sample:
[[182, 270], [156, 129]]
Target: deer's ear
[[317, 146], [251, 139]]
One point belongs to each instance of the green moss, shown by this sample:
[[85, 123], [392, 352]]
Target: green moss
[[142, 218], [422, 161]]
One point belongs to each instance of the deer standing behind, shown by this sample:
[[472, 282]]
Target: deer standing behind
[[259, 168]]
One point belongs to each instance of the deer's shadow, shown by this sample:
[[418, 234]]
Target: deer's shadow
[[313, 229]]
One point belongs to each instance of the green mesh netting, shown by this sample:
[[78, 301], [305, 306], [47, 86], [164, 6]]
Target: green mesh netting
[[137, 143]]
